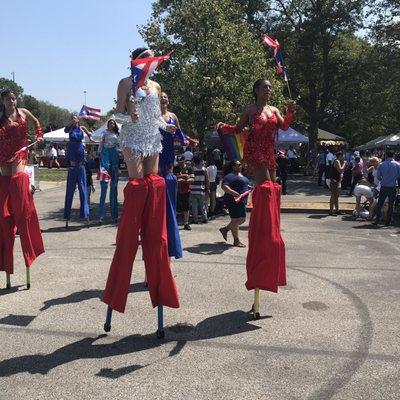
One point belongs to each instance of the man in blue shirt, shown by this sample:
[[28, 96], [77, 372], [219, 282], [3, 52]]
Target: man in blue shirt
[[388, 174]]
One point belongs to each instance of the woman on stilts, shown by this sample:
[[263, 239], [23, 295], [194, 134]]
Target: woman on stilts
[[144, 208], [265, 264], [109, 169], [76, 171], [17, 210], [166, 164]]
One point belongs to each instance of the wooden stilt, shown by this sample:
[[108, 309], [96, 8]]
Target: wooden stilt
[[160, 330], [8, 284], [256, 305], [107, 325], [28, 278]]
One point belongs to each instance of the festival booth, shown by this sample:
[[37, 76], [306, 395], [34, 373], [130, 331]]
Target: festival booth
[[328, 139], [291, 137], [381, 142], [57, 137], [299, 141], [372, 144]]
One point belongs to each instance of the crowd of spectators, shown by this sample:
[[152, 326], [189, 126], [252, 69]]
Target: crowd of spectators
[[372, 177]]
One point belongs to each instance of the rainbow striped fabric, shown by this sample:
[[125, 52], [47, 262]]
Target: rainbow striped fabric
[[233, 145]]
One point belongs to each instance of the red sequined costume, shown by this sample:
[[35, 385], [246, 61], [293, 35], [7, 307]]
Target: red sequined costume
[[265, 264], [259, 148], [17, 209]]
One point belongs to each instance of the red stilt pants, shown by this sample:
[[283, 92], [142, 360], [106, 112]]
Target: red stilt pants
[[17, 210], [144, 211], [266, 267]]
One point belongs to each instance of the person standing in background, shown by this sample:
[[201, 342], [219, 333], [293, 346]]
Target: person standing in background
[[185, 176], [212, 177], [199, 189], [388, 175]]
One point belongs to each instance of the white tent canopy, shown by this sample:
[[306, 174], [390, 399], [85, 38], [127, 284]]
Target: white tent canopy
[[381, 141], [98, 133], [59, 136], [291, 136]]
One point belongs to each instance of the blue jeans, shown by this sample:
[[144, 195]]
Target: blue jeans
[[390, 193], [109, 161]]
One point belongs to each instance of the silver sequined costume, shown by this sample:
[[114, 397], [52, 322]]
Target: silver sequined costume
[[143, 136]]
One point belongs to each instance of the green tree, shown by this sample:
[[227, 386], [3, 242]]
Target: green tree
[[310, 32], [215, 62], [11, 85]]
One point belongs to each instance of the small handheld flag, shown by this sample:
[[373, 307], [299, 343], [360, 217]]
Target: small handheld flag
[[274, 44], [90, 113], [143, 68]]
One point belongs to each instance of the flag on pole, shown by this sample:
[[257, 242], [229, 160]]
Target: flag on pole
[[273, 43], [143, 68], [90, 113]]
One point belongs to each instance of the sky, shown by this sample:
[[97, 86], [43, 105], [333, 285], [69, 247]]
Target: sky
[[59, 49]]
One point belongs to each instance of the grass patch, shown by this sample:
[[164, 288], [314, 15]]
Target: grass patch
[[53, 174]]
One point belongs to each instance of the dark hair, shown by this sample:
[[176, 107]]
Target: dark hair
[[116, 129], [198, 158], [234, 162], [339, 154], [390, 154], [357, 159], [4, 93], [137, 52], [256, 85]]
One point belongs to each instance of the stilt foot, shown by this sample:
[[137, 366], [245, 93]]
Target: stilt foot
[[256, 315], [28, 286], [160, 334], [107, 324]]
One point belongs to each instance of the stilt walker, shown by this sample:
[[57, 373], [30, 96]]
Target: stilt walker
[[17, 210], [265, 263], [166, 163], [144, 208], [76, 171]]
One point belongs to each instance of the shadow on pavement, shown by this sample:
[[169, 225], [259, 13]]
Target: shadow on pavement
[[318, 216], [13, 289], [209, 248], [17, 320], [227, 324], [84, 295]]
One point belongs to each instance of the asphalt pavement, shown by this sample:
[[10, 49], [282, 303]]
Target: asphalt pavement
[[331, 333]]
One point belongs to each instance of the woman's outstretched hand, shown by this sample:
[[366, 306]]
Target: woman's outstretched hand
[[291, 105]]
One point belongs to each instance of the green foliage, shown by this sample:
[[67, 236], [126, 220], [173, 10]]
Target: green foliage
[[50, 116], [215, 62], [11, 85]]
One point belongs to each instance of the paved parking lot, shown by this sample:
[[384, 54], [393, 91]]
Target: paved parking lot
[[333, 332]]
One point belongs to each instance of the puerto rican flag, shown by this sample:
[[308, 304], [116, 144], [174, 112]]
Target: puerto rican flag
[[103, 175], [143, 68], [90, 113], [273, 43]]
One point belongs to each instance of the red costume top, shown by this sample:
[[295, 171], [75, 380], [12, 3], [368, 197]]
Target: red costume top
[[259, 147], [14, 136]]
